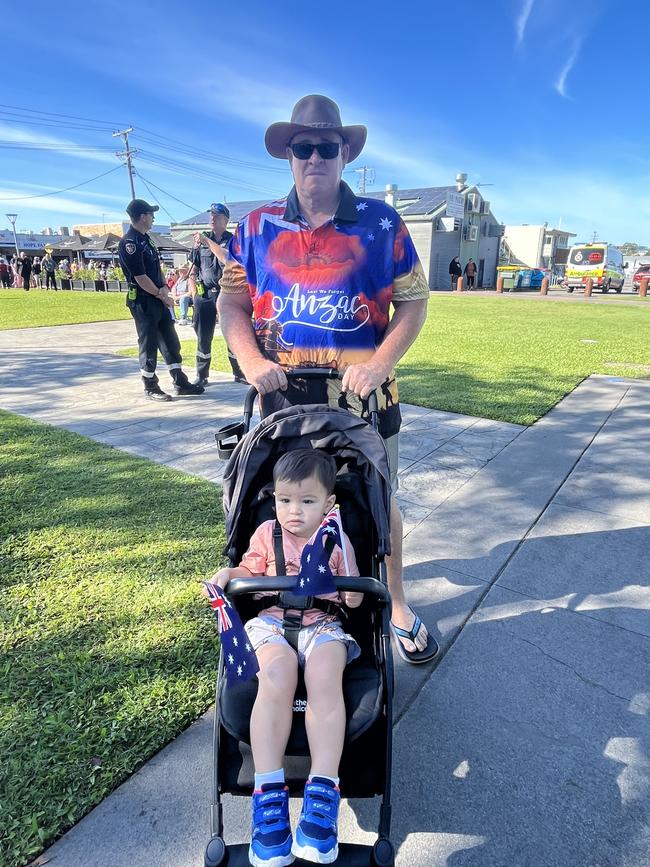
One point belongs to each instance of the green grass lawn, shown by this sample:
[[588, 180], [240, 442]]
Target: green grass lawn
[[107, 650], [507, 359], [22, 309]]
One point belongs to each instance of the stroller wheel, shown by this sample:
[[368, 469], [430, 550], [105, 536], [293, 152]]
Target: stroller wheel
[[383, 854], [215, 853]]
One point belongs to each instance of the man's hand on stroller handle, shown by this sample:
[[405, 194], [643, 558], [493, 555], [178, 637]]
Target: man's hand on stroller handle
[[265, 375], [362, 379]]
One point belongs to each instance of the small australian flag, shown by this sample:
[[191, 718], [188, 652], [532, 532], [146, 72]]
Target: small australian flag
[[240, 661], [315, 577]]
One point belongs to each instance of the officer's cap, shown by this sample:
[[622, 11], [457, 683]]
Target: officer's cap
[[137, 207], [219, 208]]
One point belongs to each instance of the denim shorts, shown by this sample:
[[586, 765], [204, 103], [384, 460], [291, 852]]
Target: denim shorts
[[266, 629]]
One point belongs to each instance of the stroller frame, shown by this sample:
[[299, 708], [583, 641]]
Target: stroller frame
[[381, 853]]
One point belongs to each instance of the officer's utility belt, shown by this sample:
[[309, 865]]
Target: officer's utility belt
[[203, 292], [293, 604]]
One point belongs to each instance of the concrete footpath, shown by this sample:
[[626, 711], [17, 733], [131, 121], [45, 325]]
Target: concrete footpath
[[527, 552]]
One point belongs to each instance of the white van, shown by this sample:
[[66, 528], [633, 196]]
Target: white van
[[600, 261]]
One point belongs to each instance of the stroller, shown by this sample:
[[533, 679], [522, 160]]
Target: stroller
[[363, 493]]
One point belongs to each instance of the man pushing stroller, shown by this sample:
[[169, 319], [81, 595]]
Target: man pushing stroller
[[316, 640]]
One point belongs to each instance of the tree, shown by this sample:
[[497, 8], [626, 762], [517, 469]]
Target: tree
[[629, 248]]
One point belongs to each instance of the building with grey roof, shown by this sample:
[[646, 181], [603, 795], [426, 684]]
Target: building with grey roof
[[444, 222]]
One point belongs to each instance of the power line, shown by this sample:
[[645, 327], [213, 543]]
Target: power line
[[190, 150], [153, 195], [169, 195], [67, 189], [187, 169], [54, 114]]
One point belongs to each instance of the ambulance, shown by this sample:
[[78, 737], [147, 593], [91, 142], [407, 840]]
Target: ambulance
[[600, 261]]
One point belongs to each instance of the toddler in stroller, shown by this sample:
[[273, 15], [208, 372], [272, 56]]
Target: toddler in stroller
[[321, 706], [315, 638]]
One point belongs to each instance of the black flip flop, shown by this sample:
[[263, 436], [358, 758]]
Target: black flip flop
[[415, 657]]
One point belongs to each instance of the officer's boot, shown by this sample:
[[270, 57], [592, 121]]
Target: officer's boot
[[182, 385], [202, 370], [152, 390]]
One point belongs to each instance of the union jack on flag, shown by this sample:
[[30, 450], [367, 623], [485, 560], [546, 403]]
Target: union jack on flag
[[315, 577], [240, 661]]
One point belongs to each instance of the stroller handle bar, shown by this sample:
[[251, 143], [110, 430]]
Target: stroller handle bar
[[277, 583], [310, 373]]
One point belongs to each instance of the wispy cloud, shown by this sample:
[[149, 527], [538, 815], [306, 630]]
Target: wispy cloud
[[16, 134], [56, 204], [560, 83], [522, 20]]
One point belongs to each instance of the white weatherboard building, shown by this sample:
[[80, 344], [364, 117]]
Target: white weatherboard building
[[535, 246], [443, 221]]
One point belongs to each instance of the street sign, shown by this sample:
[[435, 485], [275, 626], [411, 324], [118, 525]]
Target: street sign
[[455, 205]]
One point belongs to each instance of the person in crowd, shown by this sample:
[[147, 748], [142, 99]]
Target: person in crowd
[[36, 272], [5, 274], [470, 273], [455, 271], [25, 269], [49, 270], [325, 278], [182, 295]]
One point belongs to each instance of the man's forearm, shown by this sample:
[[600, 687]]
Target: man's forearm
[[148, 285], [220, 252], [403, 328], [237, 329]]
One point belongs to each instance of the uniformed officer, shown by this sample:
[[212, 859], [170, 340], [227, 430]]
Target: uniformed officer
[[150, 304], [208, 258]]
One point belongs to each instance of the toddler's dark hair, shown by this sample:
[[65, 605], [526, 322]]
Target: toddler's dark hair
[[301, 464]]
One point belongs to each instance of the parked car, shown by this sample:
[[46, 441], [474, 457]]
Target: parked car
[[641, 272]]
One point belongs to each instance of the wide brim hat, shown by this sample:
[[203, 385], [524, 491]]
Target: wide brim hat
[[313, 113]]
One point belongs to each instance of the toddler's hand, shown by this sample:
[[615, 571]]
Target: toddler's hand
[[220, 578], [352, 599]]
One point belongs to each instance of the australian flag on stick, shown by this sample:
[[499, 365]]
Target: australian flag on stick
[[315, 577], [240, 661]]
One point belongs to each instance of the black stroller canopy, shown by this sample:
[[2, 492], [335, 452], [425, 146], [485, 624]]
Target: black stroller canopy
[[348, 438]]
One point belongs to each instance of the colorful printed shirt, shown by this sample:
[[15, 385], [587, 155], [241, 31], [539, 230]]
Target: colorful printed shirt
[[260, 560], [321, 297]]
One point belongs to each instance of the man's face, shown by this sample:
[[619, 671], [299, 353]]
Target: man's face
[[146, 221], [218, 222], [317, 176]]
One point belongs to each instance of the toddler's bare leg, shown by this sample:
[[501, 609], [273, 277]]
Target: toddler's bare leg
[[325, 716], [271, 715]]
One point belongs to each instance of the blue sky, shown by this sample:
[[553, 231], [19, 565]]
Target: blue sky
[[545, 100]]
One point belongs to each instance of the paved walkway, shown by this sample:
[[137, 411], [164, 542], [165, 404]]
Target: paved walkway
[[529, 553]]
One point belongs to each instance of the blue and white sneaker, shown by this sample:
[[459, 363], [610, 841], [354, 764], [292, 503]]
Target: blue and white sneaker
[[271, 834], [317, 833]]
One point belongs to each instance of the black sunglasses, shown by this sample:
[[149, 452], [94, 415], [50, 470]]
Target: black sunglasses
[[327, 150]]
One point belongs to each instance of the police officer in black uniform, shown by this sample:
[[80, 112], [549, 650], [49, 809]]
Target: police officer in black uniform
[[150, 304], [208, 258]]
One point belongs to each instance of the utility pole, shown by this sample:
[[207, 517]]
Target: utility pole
[[127, 152], [365, 174]]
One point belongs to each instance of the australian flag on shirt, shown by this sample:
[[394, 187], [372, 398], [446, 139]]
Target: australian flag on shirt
[[240, 661], [322, 297]]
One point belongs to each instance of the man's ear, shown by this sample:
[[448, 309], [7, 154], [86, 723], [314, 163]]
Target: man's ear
[[345, 153]]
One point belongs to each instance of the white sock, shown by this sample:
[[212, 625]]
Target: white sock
[[333, 780], [270, 777]]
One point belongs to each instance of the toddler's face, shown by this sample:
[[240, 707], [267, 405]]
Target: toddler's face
[[301, 506]]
